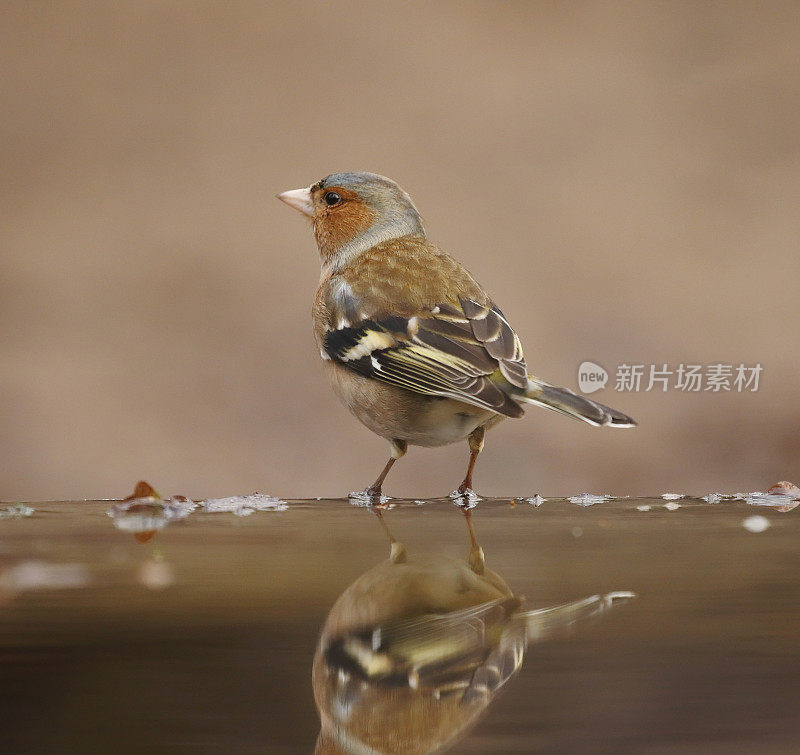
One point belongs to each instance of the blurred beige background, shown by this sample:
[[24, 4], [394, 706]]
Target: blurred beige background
[[624, 178]]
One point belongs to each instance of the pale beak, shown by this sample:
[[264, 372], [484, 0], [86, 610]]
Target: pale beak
[[300, 199]]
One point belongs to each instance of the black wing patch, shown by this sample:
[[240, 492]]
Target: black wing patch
[[438, 353], [470, 652]]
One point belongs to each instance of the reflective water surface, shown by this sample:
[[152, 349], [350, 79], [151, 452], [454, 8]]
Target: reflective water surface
[[184, 627]]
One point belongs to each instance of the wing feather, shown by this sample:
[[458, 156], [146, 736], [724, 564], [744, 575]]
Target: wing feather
[[465, 353], [462, 652]]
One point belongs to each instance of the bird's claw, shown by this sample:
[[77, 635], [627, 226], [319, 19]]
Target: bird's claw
[[370, 497], [465, 497]]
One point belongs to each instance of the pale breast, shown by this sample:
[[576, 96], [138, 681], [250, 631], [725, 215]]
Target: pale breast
[[393, 412]]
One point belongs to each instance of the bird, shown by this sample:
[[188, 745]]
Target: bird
[[414, 651], [412, 344]]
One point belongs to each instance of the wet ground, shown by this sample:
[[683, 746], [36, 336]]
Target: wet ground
[[167, 626]]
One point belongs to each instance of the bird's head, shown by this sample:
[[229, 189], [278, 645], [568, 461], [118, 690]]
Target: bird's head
[[352, 212]]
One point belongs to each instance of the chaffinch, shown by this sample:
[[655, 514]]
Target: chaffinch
[[414, 651], [413, 345]]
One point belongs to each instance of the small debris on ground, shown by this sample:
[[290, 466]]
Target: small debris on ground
[[243, 505], [16, 511], [588, 499], [785, 488]]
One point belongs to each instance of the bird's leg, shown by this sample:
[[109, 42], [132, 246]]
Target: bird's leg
[[397, 554], [398, 451], [476, 559], [475, 447]]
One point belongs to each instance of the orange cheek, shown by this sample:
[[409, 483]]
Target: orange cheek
[[336, 227]]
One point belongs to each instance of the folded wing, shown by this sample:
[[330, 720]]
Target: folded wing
[[466, 352]]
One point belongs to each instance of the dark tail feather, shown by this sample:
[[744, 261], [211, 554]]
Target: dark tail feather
[[544, 623], [566, 402]]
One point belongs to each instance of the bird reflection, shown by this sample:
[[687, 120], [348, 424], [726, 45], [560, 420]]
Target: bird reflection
[[413, 652]]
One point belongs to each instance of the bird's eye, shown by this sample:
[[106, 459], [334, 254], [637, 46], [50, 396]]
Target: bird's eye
[[332, 198]]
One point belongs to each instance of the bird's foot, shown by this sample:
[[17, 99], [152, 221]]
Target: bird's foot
[[371, 496], [465, 496]]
